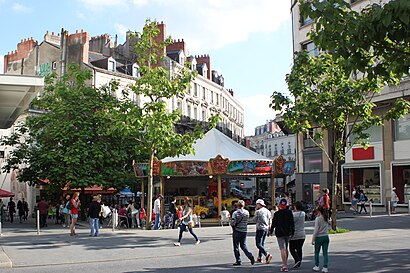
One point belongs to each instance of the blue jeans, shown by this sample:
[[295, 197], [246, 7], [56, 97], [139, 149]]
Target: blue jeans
[[260, 242], [94, 225], [156, 225], [239, 239]]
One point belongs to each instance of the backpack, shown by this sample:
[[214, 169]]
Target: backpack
[[357, 195], [365, 197], [68, 205]]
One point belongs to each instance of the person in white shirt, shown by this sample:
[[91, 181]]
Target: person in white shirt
[[157, 210], [262, 219], [394, 199]]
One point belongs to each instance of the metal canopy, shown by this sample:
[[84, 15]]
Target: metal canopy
[[16, 94]]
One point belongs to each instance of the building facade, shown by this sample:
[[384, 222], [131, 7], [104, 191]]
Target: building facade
[[110, 61], [384, 165]]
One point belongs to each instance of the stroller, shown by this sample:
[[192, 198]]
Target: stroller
[[168, 218]]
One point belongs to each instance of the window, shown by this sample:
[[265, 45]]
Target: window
[[188, 110], [402, 128], [212, 97], [179, 106], [312, 161], [135, 68], [289, 148], [203, 93], [203, 115], [305, 21], [311, 48], [275, 152], [1, 154], [217, 99], [195, 113], [54, 65], [111, 65], [375, 135], [367, 178], [196, 86], [282, 150]]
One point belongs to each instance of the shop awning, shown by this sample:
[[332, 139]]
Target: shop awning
[[16, 94], [4, 193]]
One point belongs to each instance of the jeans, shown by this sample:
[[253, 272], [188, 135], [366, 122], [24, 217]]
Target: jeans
[[239, 239], [94, 225], [156, 225], [43, 220], [183, 228], [260, 242], [295, 248], [322, 241]]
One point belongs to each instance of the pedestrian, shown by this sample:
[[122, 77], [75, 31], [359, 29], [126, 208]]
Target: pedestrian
[[20, 209], [186, 222], [355, 199], [394, 199], [42, 206], [325, 201], [132, 211], [298, 239], [157, 211], [225, 216], [1, 211], [320, 238], [26, 210], [262, 219], [284, 227], [362, 202], [173, 210], [66, 211], [94, 210], [11, 207], [74, 205], [239, 223]]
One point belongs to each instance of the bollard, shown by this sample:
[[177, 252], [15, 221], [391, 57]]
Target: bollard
[[114, 219], [389, 207], [1, 219], [408, 202], [38, 222], [371, 208]]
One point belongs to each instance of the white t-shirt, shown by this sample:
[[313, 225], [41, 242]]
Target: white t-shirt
[[157, 206]]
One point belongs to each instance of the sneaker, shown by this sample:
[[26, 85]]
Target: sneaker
[[252, 260], [197, 242], [237, 263], [259, 260], [177, 244], [325, 270], [316, 268], [268, 258]]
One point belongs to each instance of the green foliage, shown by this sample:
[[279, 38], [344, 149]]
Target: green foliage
[[339, 230], [70, 141], [375, 41]]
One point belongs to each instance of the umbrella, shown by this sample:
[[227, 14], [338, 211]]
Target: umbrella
[[4, 193]]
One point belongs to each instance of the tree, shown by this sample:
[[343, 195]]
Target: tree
[[155, 127], [375, 40], [329, 97], [69, 144]]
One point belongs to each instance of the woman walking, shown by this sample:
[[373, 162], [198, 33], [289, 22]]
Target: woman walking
[[74, 205], [320, 238], [185, 221], [298, 239]]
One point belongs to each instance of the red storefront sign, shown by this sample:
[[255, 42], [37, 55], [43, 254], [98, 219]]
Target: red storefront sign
[[363, 154]]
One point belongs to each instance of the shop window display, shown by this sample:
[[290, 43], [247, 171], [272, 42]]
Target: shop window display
[[368, 179], [401, 181]]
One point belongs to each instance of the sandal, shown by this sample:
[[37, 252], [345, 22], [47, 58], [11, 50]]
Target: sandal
[[283, 269]]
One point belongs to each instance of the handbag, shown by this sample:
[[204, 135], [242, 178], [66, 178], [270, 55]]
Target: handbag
[[191, 224]]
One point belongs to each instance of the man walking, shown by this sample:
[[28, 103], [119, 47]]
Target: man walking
[[284, 228], [157, 211], [11, 206], [173, 210], [42, 206], [262, 219], [239, 225], [94, 211]]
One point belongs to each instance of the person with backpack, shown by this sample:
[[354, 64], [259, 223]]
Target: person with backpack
[[325, 201], [66, 211], [362, 202], [355, 199], [73, 206]]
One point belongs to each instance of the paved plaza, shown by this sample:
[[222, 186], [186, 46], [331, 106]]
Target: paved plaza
[[376, 244]]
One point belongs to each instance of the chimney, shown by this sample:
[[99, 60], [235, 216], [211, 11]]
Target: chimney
[[160, 38], [207, 60], [23, 50], [78, 47], [177, 45]]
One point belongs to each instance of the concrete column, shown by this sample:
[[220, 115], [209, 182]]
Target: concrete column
[[388, 152], [219, 195]]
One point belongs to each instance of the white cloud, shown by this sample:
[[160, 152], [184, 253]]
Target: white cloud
[[140, 2], [257, 111], [101, 3], [122, 30], [1, 64], [21, 8]]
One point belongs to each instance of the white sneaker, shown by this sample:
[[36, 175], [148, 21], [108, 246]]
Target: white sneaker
[[177, 244], [316, 268], [325, 270], [197, 242]]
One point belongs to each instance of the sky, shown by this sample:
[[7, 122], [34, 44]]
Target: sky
[[249, 42]]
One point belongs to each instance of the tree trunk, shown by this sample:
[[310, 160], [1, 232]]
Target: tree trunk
[[334, 190], [150, 188]]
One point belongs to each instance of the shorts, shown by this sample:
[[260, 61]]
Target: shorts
[[74, 216], [283, 242], [394, 203]]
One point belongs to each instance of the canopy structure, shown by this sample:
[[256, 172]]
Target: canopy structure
[[216, 154], [4, 193]]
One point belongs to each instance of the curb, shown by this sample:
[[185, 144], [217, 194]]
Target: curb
[[5, 261]]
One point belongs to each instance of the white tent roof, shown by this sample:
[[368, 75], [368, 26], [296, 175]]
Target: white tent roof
[[216, 143]]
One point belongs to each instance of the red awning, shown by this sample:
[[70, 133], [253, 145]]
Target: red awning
[[4, 193]]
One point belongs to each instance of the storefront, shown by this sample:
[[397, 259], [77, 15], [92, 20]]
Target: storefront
[[401, 180], [367, 178]]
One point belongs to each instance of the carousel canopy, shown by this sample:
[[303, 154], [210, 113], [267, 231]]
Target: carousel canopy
[[216, 143]]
